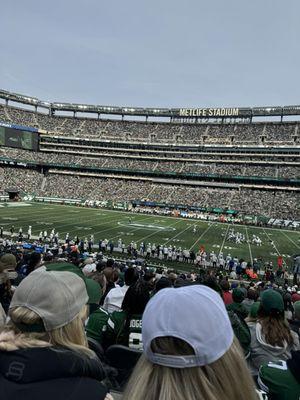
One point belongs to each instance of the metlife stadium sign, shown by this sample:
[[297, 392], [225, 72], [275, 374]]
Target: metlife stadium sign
[[209, 112]]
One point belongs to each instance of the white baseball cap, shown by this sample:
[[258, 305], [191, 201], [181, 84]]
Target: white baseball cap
[[195, 314]]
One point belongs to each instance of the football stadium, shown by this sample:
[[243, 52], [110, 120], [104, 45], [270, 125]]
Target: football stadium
[[149, 251], [226, 186]]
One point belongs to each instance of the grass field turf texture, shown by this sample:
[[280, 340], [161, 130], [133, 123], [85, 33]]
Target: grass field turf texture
[[112, 225]]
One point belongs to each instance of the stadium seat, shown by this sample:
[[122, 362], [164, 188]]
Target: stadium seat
[[124, 360], [96, 347]]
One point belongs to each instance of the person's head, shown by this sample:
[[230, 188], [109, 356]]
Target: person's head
[[186, 357], [136, 298], [211, 282], [162, 283], [101, 279], [271, 317], [7, 262], [34, 261], [252, 317], [48, 308], [172, 277], [130, 276], [252, 294], [287, 300], [238, 295], [225, 285], [111, 274]]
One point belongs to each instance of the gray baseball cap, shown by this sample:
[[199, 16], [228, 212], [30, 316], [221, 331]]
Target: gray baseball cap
[[57, 297], [195, 314]]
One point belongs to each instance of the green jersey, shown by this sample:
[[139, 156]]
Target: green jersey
[[125, 330], [278, 381], [97, 324]]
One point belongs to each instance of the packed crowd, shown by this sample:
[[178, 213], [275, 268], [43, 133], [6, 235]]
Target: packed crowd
[[142, 332], [96, 148], [277, 204], [153, 131], [159, 165]]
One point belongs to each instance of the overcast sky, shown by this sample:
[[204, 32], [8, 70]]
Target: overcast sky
[[164, 53]]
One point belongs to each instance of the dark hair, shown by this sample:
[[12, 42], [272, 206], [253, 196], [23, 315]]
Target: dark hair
[[130, 276], [162, 283], [211, 282], [274, 327], [252, 294], [136, 298], [225, 285], [33, 261]]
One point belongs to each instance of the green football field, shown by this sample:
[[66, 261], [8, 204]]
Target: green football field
[[112, 225]]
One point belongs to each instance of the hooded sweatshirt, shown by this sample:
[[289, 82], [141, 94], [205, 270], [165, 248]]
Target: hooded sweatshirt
[[261, 352], [50, 373]]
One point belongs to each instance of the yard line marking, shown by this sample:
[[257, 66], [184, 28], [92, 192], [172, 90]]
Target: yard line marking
[[271, 241], [132, 230], [83, 220], [178, 234], [200, 237], [291, 240], [108, 219], [154, 233], [225, 237], [249, 244]]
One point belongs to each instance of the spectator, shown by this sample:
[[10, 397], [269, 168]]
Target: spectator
[[281, 380], [250, 299], [295, 294], [295, 321], [8, 264], [227, 295], [34, 261], [288, 306], [113, 300], [186, 357], [96, 324], [237, 306], [125, 327], [271, 338], [112, 277], [45, 336], [252, 317], [89, 267], [162, 283]]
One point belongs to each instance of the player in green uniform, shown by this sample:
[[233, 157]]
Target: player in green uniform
[[281, 380]]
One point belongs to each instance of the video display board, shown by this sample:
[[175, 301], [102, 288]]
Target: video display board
[[18, 138]]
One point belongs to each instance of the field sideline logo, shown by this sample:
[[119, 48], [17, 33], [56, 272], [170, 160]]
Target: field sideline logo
[[209, 112]]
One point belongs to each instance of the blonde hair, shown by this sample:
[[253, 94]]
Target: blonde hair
[[228, 378], [70, 336]]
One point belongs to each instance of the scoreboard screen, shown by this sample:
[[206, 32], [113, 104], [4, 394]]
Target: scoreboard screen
[[18, 138]]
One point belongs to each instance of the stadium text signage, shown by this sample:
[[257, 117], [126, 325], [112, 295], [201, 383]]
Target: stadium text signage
[[209, 112]]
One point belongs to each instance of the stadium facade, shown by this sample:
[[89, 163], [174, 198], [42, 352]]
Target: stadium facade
[[225, 161]]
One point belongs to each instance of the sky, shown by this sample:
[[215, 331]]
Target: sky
[[155, 53]]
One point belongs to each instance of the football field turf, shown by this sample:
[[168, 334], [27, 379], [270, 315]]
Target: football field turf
[[112, 225]]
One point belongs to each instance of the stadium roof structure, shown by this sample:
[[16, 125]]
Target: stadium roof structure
[[172, 113]]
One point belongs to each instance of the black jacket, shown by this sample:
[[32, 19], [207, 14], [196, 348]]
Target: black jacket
[[49, 374]]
